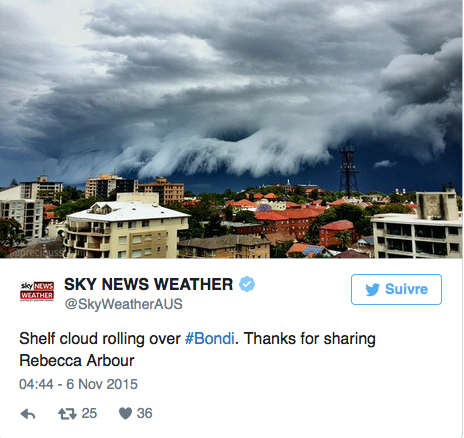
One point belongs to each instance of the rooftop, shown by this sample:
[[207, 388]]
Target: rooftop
[[228, 241], [412, 219], [338, 225], [125, 211]]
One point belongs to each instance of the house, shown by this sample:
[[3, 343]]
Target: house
[[304, 250], [328, 233], [351, 254], [295, 222], [225, 247]]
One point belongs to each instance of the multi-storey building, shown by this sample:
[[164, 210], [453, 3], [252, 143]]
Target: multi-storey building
[[168, 192], [28, 212], [124, 229], [435, 232], [107, 183], [294, 222], [225, 247], [328, 234], [42, 188]]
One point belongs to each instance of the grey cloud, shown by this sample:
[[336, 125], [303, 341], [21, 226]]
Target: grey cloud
[[250, 86]]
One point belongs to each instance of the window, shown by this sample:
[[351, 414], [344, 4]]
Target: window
[[159, 236], [120, 224], [148, 237], [136, 253], [454, 247], [137, 239], [132, 224], [380, 226], [147, 251], [145, 223], [122, 240], [381, 240], [162, 221], [121, 254], [453, 230], [158, 250]]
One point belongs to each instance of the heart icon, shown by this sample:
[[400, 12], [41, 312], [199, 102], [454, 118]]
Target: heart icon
[[125, 413]]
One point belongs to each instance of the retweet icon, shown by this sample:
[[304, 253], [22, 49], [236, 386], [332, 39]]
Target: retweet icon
[[372, 290]]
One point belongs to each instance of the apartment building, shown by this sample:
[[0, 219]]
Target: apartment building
[[28, 212], [137, 228], [328, 233], [435, 232], [225, 247], [168, 192], [295, 222], [41, 188], [106, 183]]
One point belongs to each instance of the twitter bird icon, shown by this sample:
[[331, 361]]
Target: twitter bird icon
[[372, 290]]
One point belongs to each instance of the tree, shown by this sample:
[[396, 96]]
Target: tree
[[11, 233], [229, 213], [214, 227], [247, 217], [344, 239], [280, 250], [397, 208], [364, 226], [14, 183], [71, 207], [312, 236]]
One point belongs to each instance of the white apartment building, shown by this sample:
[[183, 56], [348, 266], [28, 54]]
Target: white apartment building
[[435, 232], [28, 212], [40, 188], [124, 229]]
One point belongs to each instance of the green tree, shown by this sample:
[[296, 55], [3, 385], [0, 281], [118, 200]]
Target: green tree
[[280, 250], [312, 236], [396, 208], [71, 207], [11, 233], [214, 227], [229, 213], [364, 226], [247, 217], [344, 239]]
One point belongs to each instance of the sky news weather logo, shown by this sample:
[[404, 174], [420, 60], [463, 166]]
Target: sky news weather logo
[[37, 291]]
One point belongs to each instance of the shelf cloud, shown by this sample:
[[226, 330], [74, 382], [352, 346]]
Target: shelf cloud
[[249, 86]]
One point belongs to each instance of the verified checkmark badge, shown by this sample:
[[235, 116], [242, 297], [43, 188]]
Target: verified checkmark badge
[[247, 284]]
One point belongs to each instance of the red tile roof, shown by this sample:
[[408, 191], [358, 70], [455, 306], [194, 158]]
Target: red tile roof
[[289, 204], [302, 213], [338, 202], [244, 203], [258, 196], [297, 247], [338, 226], [270, 216], [270, 196]]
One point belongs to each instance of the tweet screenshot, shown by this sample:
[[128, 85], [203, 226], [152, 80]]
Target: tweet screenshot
[[231, 219]]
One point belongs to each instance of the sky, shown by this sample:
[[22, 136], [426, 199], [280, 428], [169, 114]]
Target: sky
[[232, 94]]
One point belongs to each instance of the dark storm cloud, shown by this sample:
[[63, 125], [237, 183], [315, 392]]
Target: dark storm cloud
[[247, 86]]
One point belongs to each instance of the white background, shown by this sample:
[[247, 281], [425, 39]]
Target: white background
[[408, 385]]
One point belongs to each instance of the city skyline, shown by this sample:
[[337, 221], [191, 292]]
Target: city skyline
[[234, 95]]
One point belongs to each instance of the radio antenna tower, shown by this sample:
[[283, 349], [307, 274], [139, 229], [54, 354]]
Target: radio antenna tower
[[348, 170]]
